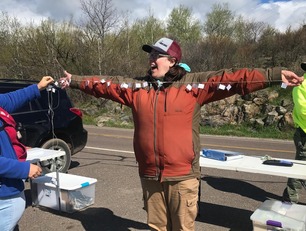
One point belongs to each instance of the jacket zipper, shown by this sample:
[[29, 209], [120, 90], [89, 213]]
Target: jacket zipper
[[154, 139], [165, 104]]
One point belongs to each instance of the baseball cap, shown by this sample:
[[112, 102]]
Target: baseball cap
[[165, 46], [303, 66]]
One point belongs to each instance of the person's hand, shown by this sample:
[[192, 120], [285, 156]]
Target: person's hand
[[65, 81], [35, 171], [44, 82], [291, 79]]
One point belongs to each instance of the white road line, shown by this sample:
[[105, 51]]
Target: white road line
[[106, 149]]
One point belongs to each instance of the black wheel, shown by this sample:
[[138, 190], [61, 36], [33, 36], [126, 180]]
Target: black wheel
[[61, 163]]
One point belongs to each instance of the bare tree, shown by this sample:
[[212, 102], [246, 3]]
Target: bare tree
[[101, 19], [248, 31]]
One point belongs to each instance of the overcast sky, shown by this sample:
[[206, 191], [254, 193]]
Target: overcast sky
[[278, 13]]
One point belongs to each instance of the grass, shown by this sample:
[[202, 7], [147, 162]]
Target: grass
[[246, 130], [88, 120]]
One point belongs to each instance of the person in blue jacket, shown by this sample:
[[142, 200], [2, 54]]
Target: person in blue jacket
[[13, 171]]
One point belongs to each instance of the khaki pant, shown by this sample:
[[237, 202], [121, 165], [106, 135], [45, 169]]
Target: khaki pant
[[171, 206]]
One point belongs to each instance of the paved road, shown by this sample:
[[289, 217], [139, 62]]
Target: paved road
[[228, 198]]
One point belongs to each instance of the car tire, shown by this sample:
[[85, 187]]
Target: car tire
[[60, 164]]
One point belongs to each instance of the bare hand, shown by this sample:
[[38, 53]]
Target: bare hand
[[44, 82], [65, 81], [291, 79], [35, 171]]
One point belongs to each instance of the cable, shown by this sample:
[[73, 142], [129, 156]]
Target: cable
[[51, 111], [204, 82]]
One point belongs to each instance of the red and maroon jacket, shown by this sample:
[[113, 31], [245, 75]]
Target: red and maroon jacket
[[167, 115]]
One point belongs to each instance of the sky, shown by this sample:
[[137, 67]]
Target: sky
[[278, 13]]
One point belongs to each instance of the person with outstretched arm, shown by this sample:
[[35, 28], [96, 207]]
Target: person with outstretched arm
[[166, 105]]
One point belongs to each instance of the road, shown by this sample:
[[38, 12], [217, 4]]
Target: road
[[228, 198]]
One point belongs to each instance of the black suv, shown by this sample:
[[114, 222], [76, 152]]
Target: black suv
[[49, 122]]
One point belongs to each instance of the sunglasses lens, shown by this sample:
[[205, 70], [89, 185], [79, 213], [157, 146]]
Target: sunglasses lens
[[155, 55]]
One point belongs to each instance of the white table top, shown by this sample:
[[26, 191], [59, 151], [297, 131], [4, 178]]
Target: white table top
[[39, 154], [254, 165]]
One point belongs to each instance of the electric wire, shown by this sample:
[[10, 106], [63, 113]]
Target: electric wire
[[51, 119], [169, 82]]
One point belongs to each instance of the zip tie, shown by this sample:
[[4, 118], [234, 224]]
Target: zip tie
[[284, 85], [189, 87], [124, 85], [229, 87], [221, 86], [145, 84], [201, 85]]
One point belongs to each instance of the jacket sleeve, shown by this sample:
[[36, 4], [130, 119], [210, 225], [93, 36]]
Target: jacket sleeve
[[114, 88], [227, 82], [12, 168], [13, 100]]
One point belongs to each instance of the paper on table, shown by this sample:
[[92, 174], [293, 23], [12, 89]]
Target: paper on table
[[222, 155], [40, 154]]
